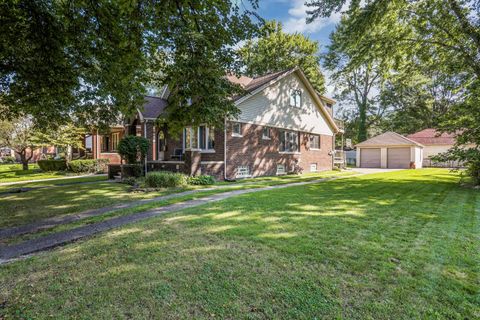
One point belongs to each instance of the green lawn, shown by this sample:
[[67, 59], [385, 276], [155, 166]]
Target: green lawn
[[27, 207], [399, 245], [14, 172]]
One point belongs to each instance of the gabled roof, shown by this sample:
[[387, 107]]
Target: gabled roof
[[432, 136], [258, 84], [152, 108], [388, 139]]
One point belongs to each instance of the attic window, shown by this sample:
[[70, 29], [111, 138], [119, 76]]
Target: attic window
[[295, 98]]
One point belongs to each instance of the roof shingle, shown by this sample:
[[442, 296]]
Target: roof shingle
[[386, 139], [432, 136]]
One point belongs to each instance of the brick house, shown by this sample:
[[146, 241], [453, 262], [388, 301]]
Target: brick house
[[284, 126]]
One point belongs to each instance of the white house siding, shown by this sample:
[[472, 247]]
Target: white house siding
[[271, 107]]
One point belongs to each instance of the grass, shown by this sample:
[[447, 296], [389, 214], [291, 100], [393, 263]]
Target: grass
[[398, 245], [34, 205], [14, 173]]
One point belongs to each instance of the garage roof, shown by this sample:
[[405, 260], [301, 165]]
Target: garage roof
[[389, 138]]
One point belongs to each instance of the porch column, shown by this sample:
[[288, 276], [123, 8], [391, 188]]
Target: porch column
[[154, 143], [138, 130], [193, 162]]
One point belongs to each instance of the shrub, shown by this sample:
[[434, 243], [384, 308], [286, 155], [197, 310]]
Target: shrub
[[133, 148], [8, 160], [201, 180], [164, 179], [52, 165], [130, 181], [87, 165]]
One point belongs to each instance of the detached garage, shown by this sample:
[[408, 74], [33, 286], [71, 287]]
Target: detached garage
[[389, 150]]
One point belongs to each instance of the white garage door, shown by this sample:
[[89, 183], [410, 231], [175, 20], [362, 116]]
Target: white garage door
[[370, 157], [398, 158]]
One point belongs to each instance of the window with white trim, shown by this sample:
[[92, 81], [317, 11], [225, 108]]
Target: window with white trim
[[313, 167], [266, 135], [289, 141], [202, 138], [236, 129], [281, 169], [314, 142], [243, 171], [295, 98]]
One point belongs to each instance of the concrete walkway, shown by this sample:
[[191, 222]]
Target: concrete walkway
[[49, 179], [8, 253]]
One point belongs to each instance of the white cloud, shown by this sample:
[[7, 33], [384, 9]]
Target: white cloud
[[298, 15]]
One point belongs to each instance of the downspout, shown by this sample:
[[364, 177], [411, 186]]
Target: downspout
[[145, 136], [225, 149]]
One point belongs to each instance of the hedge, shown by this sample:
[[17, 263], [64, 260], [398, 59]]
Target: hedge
[[201, 180], [52, 165], [87, 165], [164, 179]]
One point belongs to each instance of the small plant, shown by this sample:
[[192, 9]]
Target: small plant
[[201, 180], [133, 149], [52, 165], [8, 160], [130, 181], [164, 179]]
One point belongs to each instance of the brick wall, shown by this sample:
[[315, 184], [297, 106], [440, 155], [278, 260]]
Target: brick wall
[[262, 156]]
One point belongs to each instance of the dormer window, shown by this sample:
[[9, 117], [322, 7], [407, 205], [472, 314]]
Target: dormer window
[[295, 98]]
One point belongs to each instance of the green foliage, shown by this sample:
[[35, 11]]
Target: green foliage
[[201, 180], [87, 165], [66, 136], [132, 181], [133, 148], [276, 51], [435, 41], [7, 160], [52, 165], [78, 57], [165, 179], [22, 136]]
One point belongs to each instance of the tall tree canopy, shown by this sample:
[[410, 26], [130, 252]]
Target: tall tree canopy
[[422, 37], [64, 57], [276, 50], [91, 59]]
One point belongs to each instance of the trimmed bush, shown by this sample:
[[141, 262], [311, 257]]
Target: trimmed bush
[[201, 180], [133, 149], [52, 165], [165, 179], [87, 165]]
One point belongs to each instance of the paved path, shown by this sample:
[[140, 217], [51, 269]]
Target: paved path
[[49, 179], [8, 253]]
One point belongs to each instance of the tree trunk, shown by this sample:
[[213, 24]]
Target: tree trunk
[[362, 122], [24, 160]]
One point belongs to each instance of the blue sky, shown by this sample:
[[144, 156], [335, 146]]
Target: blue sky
[[292, 14]]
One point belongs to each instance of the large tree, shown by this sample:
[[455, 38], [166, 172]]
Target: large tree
[[276, 50], [193, 49], [21, 136], [64, 57], [435, 34], [90, 59]]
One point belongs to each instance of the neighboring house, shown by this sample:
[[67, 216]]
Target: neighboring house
[[284, 126], [435, 143], [389, 150]]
